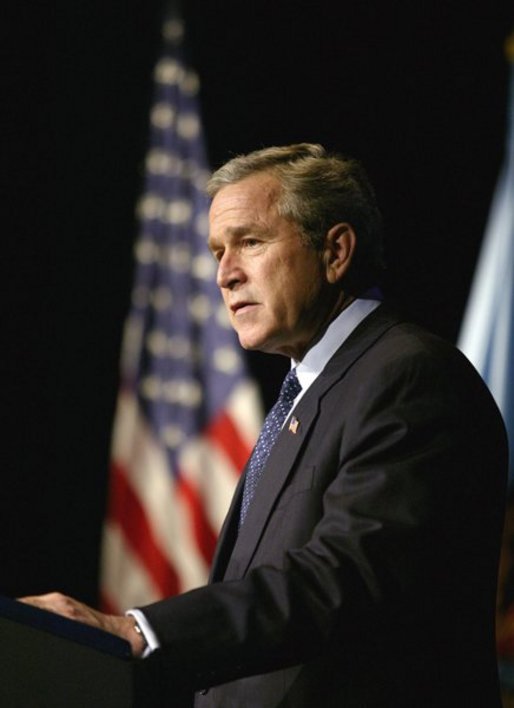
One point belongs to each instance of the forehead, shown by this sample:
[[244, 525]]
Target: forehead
[[251, 200]]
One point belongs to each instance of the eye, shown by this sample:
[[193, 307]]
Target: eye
[[250, 242]]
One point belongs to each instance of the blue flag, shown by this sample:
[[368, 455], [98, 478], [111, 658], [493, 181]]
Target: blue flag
[[487, 334]]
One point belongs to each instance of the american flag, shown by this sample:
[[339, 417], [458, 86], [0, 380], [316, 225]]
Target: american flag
[[187, 414]]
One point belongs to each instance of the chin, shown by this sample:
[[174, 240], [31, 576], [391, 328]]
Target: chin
[[252, 343], [265, 341], [249, 346]]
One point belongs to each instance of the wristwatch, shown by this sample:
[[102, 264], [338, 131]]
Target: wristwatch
[[139, 631]]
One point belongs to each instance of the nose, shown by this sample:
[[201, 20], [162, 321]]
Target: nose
[[230, 273]]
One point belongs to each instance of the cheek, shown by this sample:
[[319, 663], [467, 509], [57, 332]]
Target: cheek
[[299, 293]]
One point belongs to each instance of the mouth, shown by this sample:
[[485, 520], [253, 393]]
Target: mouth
[[239, 308]]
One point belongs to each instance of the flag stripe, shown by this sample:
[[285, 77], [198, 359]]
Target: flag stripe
[[125, 506], [145, 465], [209, 470], [108, 605], [223, 432], [125, 581], [203, 532]]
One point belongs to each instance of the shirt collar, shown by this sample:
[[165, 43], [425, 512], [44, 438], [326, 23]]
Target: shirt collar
[[340, 329]]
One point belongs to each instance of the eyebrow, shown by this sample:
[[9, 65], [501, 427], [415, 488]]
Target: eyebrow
[[235, 232]]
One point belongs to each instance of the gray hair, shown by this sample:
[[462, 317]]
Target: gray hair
[[319, 190]]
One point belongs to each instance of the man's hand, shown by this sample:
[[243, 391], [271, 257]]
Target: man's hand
[[121, 626]]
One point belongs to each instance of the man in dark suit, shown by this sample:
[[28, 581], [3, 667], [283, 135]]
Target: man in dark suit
[[357, 564]]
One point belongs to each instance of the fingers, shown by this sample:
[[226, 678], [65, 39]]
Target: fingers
[[63, 605], [73, 609], [44, 602]]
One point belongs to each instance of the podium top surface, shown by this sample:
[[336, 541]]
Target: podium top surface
[[65, 628]]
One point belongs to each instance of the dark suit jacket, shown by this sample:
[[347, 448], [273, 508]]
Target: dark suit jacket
[[365, 571]]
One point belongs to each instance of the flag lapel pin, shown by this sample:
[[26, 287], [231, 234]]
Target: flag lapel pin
[[293, 425]]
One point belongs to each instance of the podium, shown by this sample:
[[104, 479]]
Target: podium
[[48, 661]]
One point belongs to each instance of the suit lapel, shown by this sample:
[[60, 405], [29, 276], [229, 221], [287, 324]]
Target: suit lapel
[[235, 550]]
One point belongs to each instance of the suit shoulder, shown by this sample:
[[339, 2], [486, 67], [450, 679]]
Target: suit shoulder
[[399, 340]]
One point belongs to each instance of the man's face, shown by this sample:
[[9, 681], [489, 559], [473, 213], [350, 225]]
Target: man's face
[[273, 284]]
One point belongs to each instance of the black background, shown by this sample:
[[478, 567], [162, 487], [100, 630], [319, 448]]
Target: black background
[[418, 91]]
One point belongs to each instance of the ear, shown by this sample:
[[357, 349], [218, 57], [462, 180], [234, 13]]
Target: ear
[[340, 243]]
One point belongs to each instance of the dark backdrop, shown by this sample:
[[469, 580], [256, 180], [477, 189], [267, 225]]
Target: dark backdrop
[[416, 90]]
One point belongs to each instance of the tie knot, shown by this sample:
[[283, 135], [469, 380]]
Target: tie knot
[[290, 387]]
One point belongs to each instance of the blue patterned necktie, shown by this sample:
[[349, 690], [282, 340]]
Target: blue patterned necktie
[[268, 435]]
